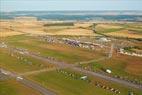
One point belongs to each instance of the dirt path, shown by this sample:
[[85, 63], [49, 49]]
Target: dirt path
[[38, 71]]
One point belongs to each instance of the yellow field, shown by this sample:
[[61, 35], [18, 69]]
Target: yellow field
[[17, 27], [75, 31]]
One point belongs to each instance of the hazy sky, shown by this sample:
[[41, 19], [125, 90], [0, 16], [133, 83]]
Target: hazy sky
[[33, 5]]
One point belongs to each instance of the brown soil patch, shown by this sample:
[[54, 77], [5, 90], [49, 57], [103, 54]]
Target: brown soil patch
[[134, 68]]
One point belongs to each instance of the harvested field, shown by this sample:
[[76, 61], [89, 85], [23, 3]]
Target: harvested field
[[38, 28], [75, 32], [12, 27], [83, 25]]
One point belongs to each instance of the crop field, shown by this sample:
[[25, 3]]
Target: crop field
[[20, 27], [77, 30], [5, 32], [39, 28], [63, 84], [11, 87], [131, 30]]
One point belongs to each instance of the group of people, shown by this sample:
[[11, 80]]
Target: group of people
[[76, 43], [97, 84], [122, 51]]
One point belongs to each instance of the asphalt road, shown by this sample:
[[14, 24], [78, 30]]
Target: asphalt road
[[37, 87], [29, 83]]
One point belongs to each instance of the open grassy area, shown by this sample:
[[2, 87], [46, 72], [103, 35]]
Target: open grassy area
[[20, 63], [66, 85], [11, 87], [59, 51]]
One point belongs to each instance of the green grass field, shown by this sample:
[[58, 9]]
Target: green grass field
[[64, 85], [20, 63], [11, 87]]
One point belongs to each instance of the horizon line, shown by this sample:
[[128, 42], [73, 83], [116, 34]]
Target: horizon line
[[72, 10]]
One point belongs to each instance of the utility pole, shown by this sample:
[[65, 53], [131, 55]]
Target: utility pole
[[111, 51]]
